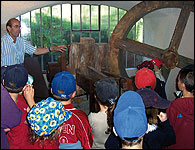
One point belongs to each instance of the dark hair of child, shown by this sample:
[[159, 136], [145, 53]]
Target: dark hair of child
[[10, 90], [52, 137], [152, 113], [186, 76], [58, 98], [109, 112], [130, 142]]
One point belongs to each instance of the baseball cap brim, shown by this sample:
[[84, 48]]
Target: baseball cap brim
[[152, 99]]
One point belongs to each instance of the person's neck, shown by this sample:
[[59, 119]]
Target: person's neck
[[139, 146], [66, 102], [103, 108], [13, 37], [14, 96], [187, 94]]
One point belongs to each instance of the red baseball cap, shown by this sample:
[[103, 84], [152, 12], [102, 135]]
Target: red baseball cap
[[157, 62], [145, 77], [146, 64]]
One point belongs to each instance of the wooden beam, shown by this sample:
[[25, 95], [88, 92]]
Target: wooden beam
[[94, 74], [148, 51], [87, 84], [111, 75], [138, 48], [179, 28], [83, 81], [184, 61]]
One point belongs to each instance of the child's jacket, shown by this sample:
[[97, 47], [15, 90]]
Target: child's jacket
[[76, 129], [181, 116]]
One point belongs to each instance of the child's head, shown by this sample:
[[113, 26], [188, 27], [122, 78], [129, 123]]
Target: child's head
[[145, 78], [185, 80], [15, 78], [146, 64], [63, 85], [46, 116], [154, 104], [130, 120], [107, 91], [157, 63]]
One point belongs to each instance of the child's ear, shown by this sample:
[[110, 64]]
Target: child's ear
[[74, 94], [183, 86]]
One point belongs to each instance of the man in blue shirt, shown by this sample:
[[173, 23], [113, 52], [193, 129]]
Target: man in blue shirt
[[13, 47]]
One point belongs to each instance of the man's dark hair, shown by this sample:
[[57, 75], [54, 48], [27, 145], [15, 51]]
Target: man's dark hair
[[9, 23]]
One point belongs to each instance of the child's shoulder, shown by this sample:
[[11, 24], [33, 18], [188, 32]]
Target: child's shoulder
[[79, 113], [93, 114], [21, 103], [182, 102]]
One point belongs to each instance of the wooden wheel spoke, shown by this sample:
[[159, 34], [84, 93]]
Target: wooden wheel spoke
[[118, 38], [184, 61], [148, 51], [138, 48], [179, 29]]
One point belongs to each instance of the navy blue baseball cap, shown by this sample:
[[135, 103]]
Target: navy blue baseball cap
[[152, 99], [15, 76]]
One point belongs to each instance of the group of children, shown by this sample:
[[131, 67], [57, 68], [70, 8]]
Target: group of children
[[53, 123], [145, 118], [137, 119]]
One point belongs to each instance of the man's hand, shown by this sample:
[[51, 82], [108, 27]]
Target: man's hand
[[60, 48]]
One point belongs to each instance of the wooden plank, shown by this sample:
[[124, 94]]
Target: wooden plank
[[111, 75], [87, 84], [83, 81], [184, 61], [148, 51], [179, 28], [139, 48], [94, 74]]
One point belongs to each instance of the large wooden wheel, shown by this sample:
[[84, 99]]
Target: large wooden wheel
[[119, 41]]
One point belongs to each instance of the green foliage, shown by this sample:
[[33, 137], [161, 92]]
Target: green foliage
[[63, 37], [56, 23]]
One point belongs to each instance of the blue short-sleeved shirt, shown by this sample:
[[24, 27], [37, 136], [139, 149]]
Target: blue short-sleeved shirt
[[13, 53]]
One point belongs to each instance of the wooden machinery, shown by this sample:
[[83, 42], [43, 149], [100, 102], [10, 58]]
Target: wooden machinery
[[90, 61]]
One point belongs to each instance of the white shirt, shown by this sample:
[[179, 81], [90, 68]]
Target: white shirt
[[159, 76], [98, 123]]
